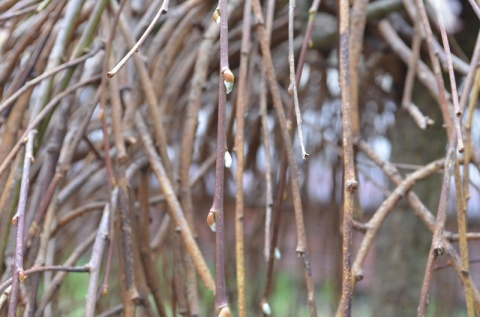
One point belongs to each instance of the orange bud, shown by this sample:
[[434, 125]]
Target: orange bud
[[216, 16], [104, 291], [211, 221], [21, 275], [228, 75]]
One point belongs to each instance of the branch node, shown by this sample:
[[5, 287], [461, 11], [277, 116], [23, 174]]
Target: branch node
[[439, 249], [352, 185]]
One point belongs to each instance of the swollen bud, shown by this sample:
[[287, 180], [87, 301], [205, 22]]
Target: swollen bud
[[104, 291], [21, 275], [224, 312], [216, 16], [211, 221], [277, 253], [228, 159], [228, 80], [266, 308]]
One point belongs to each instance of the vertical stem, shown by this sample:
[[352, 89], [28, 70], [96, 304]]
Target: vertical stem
[[19, 220], [239, 145], [462, 232], [266, 140], [293, 81], [217, 206], [350, 182], [357, 28], [302, 249]]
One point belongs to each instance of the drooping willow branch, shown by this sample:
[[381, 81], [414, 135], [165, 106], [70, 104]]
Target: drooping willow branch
[[175, 210], [302, 248], [350, 183], [217, 211], [19, 221], [239, 151]]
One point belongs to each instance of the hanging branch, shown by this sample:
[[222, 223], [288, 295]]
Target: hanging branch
[[216, 216], [437, 247], [175, 210], [119, 144], [302, 249], [442, 92], [457, 110], [239, 146], [462, 231], [422, 121], [266, 142], [357, 28], [19, 221], [198, 79], [350, 181], [293, 82], [468, 136], [97, 255], [461, 203]]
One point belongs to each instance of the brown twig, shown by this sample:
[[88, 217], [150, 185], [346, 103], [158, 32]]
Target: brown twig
[[72, 63], [453, 84], [239, 146], [163, 10], [175, 210], [357, 28], [266, 146], [422, 121], [46, 268], [350, 181], [144, 242], [373, 225], [19, 221], [293, 81], [41, 116], [302, 249], [221, 302]]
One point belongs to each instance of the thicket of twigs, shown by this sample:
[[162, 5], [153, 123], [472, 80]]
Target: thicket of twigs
[[103, 158]]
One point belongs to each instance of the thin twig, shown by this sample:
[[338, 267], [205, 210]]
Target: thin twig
[[47, 268], [38, 119], [302, 249], [175, 210], [19, 221], [421, 120], [163, 10], [293, 82], [475, 7], [373, 225], [453, 84], [5, 104]]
